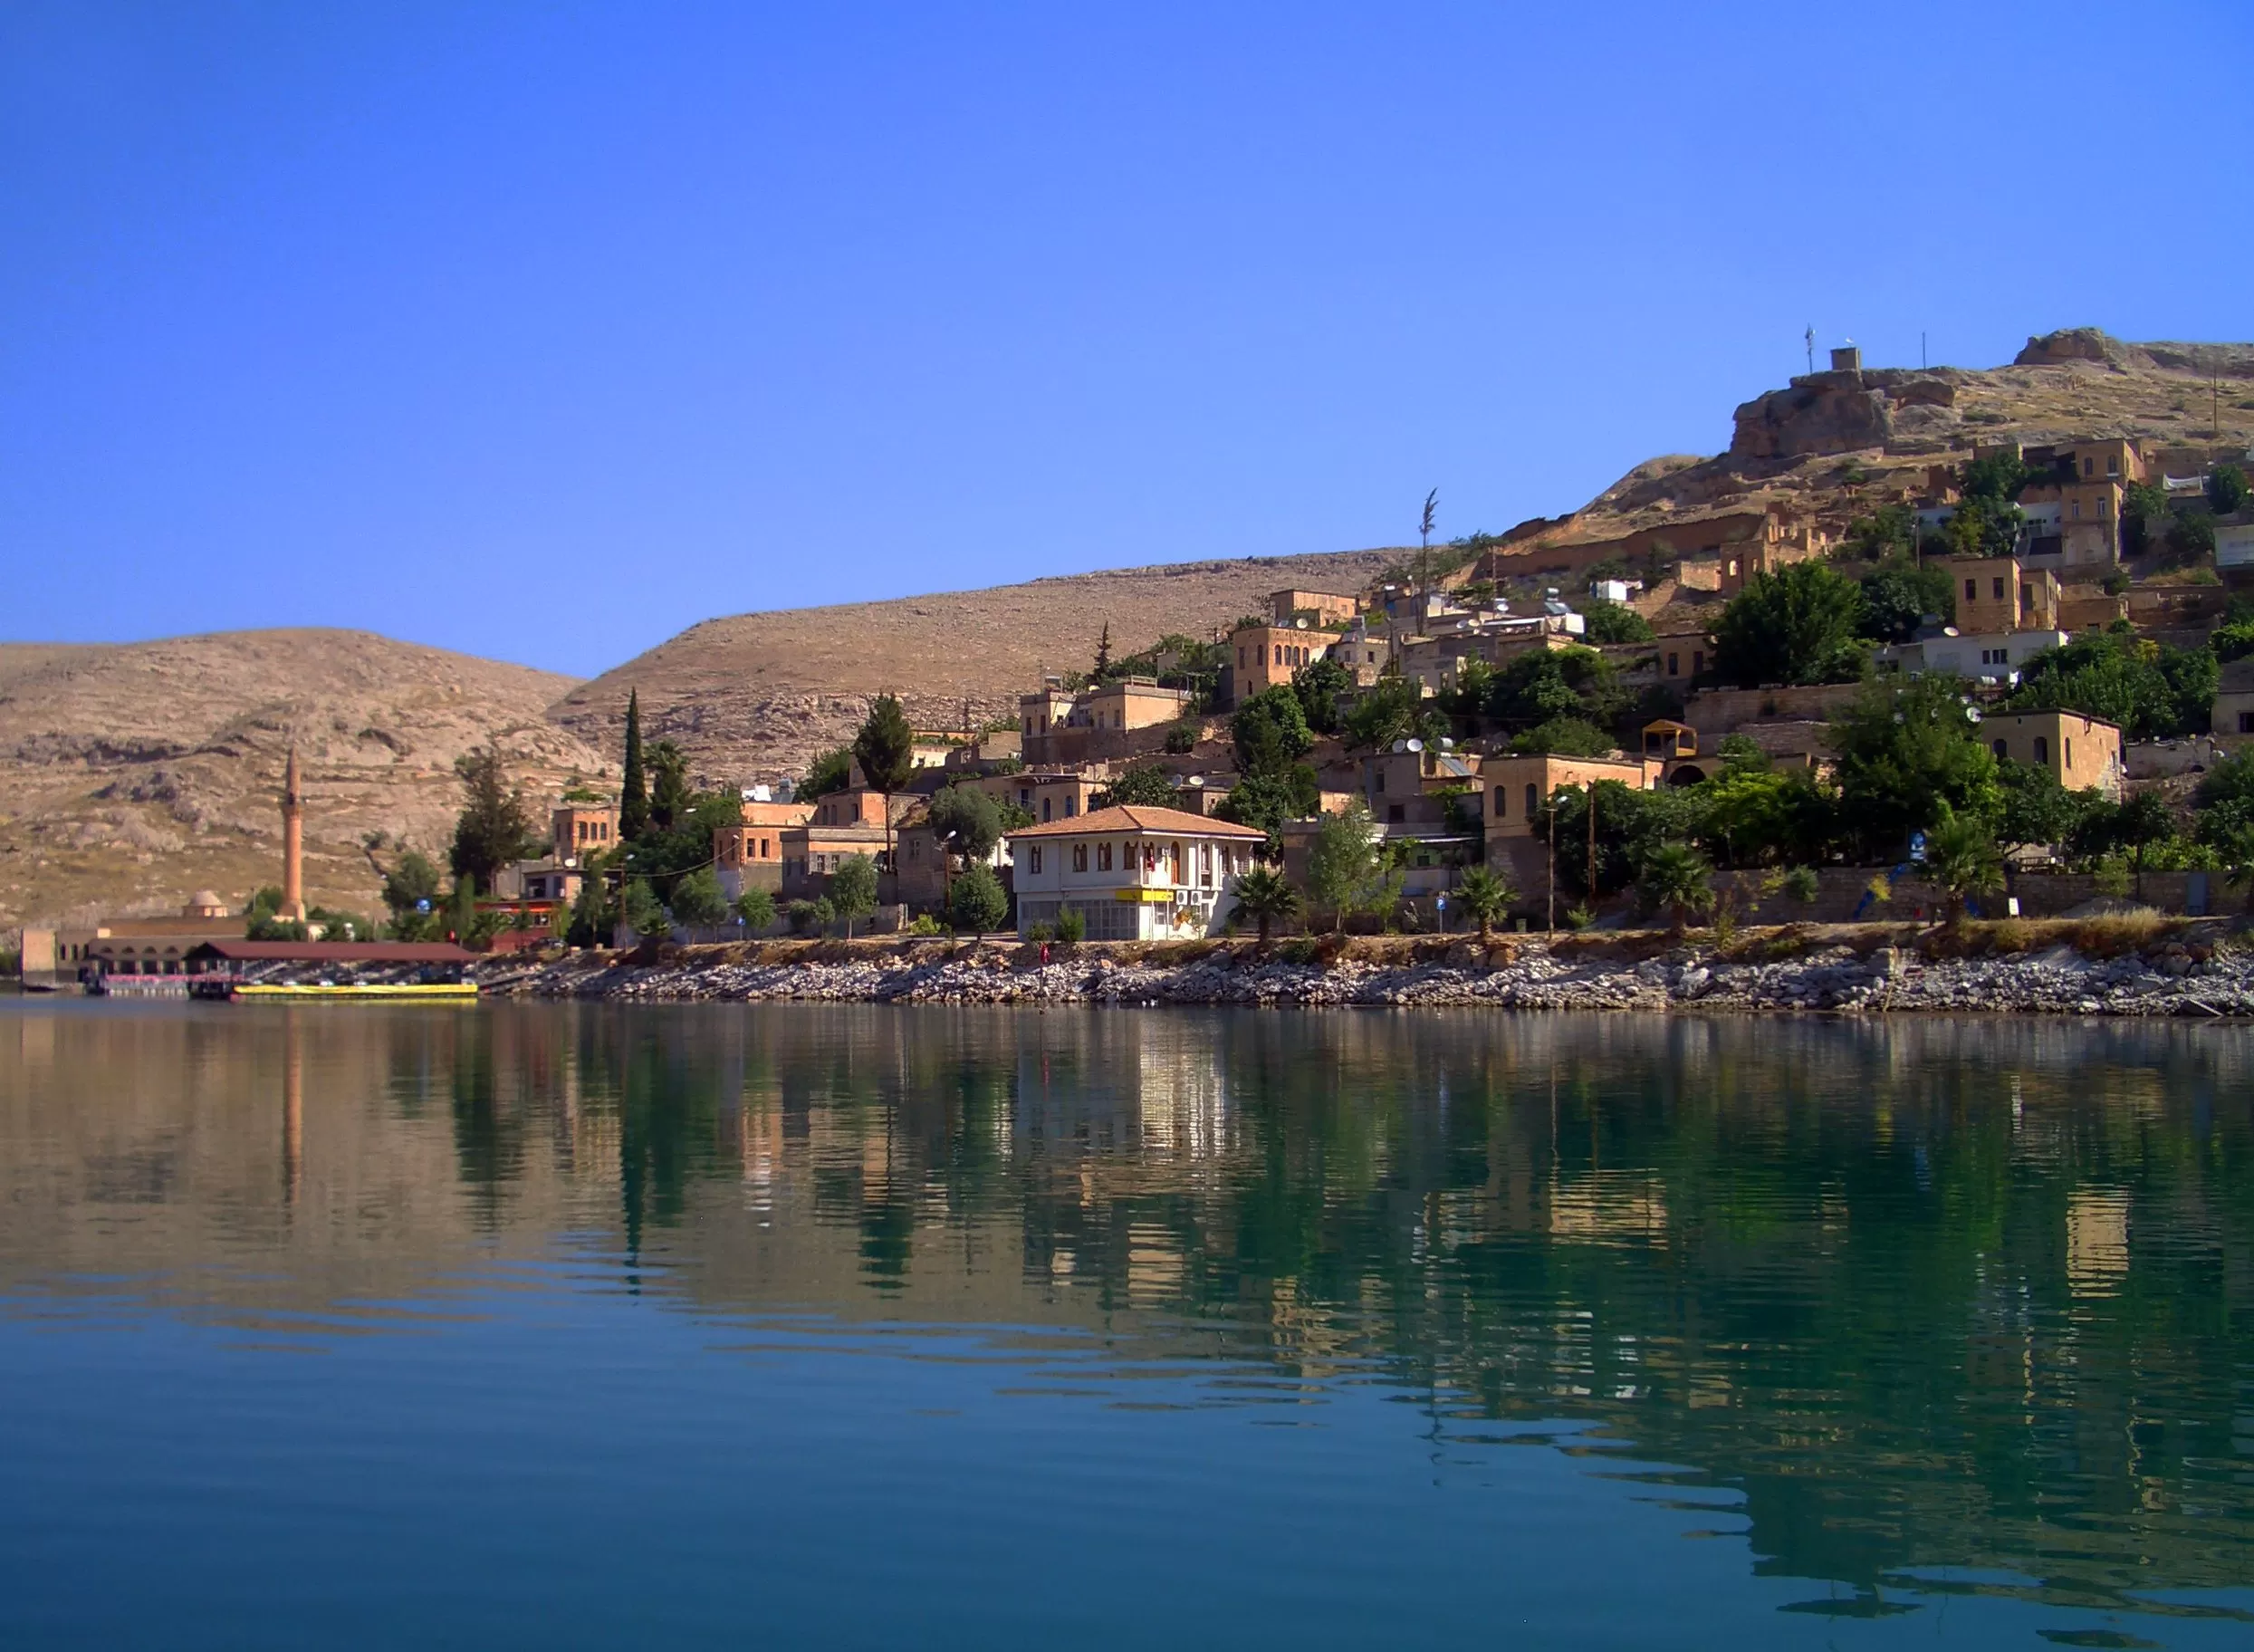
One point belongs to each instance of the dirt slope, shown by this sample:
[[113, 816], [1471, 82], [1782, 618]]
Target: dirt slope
[[133, 775], [753, 697]]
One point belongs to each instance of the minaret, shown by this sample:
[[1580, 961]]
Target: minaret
[[293, 843]]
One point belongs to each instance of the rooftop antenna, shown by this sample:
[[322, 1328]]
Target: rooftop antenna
[[1809, 340], [1921, 348]]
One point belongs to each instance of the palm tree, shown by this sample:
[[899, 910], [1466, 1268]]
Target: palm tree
[[1962, 861], [1486, 898], [1676, 876], [1265, 894]]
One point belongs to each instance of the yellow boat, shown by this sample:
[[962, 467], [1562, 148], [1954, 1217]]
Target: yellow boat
[[441, 991]]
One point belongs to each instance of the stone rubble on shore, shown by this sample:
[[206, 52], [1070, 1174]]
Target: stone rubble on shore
[[2168, 980]]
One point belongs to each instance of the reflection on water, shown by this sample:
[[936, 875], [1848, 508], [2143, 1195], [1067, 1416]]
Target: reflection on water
[[1914, 1313]]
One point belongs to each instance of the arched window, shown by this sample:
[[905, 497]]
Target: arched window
[[1533, 800], [1999, 750], [1048, 808], [1080, 857], [2042, 749]]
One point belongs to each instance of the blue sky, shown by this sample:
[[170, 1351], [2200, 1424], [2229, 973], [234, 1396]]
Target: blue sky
[[542, 331]]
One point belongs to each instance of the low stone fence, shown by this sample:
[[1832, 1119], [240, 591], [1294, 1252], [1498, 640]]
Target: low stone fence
[[1841, 894]]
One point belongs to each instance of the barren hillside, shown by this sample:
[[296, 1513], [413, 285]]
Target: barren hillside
[[1835, 443], [133, 775], [755, 695]]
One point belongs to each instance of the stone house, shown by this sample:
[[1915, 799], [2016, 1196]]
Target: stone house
[[1262, 656], [2000, 593], [1131, 873], [2234, 701], [1317, 608], [2079, 752]]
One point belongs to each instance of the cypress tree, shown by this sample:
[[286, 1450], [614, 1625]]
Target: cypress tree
[[633, 788]]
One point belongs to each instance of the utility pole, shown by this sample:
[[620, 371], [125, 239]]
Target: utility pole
[[1552, 924], [1921, 348], [1592, 848]]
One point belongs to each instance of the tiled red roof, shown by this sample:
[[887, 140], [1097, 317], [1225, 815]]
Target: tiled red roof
[[1126, 817]]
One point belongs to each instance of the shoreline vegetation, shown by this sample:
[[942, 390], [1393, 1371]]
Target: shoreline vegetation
[[2127, 964]]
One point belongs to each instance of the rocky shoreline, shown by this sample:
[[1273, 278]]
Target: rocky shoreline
[[2186, 973]]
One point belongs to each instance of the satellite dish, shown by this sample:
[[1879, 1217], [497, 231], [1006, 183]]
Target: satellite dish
[[1447, 745], [1194, 780], [1973, 714], [1414, 746]]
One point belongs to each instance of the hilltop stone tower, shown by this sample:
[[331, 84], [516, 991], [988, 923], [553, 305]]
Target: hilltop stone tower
[[293, 843]]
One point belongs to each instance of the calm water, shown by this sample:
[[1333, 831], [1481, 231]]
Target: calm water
[[567, 1326]]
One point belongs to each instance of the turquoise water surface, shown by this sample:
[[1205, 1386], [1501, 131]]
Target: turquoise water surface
[[580, 1326]]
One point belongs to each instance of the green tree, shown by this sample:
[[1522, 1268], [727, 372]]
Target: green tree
[[1999, 478], [1320, 685], [976, 905], [670, 797], [2144, 516], [1072, 926], [1485, 899], [1269, 732], [2137, 824], [756, 907], [1565, 737], [1761, 816], [829, 771], [1604, 621], [412, 883], [1103, 655], [853, 890], [643, 912], [697, 902], [1674, 878], [1898, 595], [1906, 756], [1265, 895], [462, 918], [1546, 684], [2152, 691], [494, 829], [885, 746], [1796, 625], [633, 788], [1888, 532], [1268, 801], [968, 822], [2192, 537], [1347, 870], [1145, 786], [2037, 809], [1962, 861], [1393, 709], [2233, 640], [2226, 489], [592, 914]]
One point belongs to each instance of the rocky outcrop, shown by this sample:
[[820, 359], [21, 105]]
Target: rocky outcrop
[[2175, 977], [2079, 344], [1842, 412]]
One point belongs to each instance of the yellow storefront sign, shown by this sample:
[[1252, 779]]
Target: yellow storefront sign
[[1149, 897]]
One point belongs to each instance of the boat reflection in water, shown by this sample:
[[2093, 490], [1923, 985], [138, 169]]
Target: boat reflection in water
[[1944, 1320]]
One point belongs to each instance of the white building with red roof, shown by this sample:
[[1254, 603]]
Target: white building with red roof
[[1132, 874]]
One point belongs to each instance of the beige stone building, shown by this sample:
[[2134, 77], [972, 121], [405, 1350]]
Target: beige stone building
[[1262, 656], [1317, 608], [2079, 752], [2234, 701], [2001, 593]]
